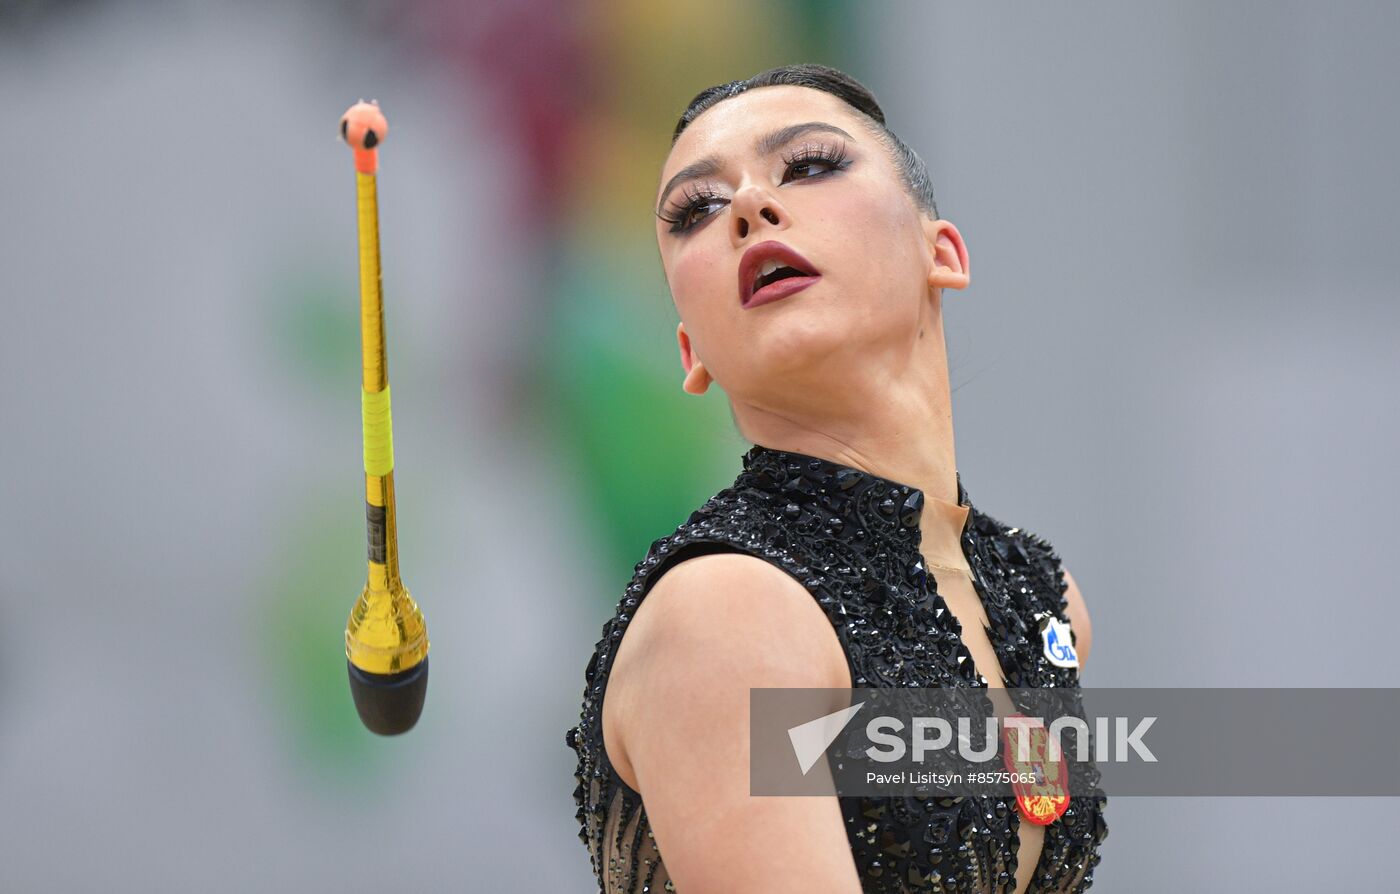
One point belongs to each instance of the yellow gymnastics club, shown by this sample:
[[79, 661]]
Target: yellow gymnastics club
[[386, 640]]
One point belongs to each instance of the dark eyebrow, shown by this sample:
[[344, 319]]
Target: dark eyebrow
[[784, 135], [702, 168], [764, 145]]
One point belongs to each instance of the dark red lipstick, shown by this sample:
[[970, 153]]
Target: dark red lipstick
[[770, 271]]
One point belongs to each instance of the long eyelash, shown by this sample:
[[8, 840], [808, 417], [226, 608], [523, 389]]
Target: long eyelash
[[681, 210], [836, 157], [678, 213]]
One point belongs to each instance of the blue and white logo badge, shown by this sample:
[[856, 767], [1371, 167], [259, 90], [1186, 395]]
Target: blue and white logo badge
[[1059, 647]]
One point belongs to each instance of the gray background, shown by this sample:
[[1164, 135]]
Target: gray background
[[1178, 359]]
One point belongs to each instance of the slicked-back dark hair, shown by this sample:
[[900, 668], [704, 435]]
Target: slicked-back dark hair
[[853, 93]]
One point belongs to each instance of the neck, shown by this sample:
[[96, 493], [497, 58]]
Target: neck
[[895, 420]]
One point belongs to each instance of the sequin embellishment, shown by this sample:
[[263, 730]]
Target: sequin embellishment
[[852, 539]]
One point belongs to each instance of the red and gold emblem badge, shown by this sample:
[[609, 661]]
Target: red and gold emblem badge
[[1044, 800]]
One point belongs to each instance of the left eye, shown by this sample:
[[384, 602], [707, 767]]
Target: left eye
[[814, 161], [804, 169]]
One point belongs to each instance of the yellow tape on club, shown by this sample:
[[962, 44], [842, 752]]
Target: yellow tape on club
[[379, 431]]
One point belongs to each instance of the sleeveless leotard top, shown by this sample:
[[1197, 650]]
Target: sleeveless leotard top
[[852, 539]]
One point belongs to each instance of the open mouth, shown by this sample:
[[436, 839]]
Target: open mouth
[[771, 270]]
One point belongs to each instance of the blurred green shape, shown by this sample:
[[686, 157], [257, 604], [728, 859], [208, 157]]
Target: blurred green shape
[[312, 317], [642, 453], [314, 571]]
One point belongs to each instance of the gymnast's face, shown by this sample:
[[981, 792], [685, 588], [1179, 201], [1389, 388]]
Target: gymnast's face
[[830, 192]]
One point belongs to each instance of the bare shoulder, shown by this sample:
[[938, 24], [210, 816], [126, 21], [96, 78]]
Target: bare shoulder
[[1078, 614], [676, 724], [721, 618]]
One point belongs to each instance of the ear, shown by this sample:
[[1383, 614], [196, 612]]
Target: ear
[[697, 378], [948, 267]]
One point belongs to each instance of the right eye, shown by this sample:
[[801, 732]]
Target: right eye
[[695, 208]]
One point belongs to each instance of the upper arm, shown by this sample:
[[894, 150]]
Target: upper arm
[[1078, 615], [711, 628]]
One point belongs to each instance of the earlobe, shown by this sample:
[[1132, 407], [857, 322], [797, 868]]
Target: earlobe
[[948, 262], [697, 378]]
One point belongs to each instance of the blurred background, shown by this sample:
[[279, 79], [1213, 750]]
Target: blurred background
[[1177, 362]]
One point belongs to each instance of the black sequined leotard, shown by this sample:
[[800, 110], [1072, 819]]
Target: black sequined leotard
[[852, 539]]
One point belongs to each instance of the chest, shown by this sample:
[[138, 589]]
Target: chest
[[909, 622], [973, 625], [968, 616]]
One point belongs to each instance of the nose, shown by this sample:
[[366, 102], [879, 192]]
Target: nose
[[751, 206]]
